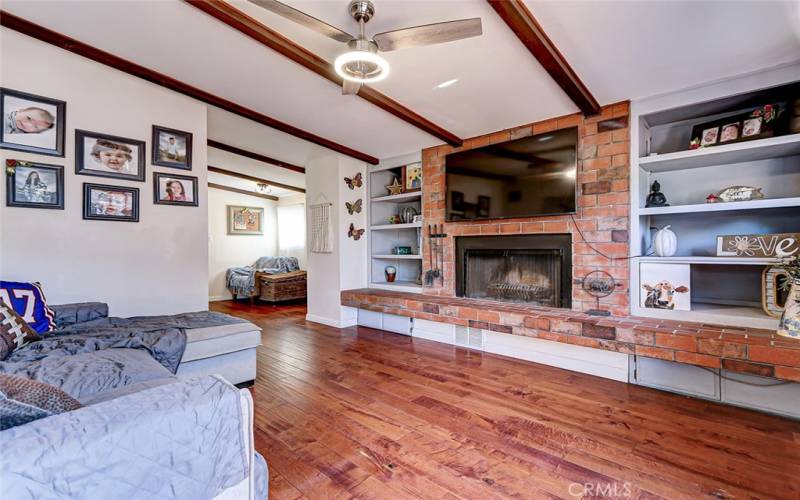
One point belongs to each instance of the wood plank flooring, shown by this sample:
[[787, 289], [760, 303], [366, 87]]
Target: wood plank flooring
[[361, 413]]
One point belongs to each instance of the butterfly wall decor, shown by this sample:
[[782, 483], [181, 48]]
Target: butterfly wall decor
[[355, 233], [355, 182], [355, 207]]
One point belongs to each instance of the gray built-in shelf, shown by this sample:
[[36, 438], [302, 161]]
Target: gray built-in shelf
[[384, 236], [724, 290]]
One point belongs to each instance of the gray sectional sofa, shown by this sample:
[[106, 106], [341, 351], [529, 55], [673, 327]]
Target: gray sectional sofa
[[160, 418]]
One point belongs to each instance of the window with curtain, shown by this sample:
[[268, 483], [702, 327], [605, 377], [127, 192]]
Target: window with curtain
[[292, 231]]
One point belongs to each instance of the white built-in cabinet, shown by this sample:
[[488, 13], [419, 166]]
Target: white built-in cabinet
[[384, 237], [723, 290]]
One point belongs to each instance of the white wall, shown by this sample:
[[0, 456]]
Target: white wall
[[329, 273], [226, 250], [156, 266]]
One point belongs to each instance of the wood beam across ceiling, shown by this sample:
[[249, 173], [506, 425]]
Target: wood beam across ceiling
[[259, 180], [43, 34], [533, 37], [254, 156], [238, 20], [242, 191]]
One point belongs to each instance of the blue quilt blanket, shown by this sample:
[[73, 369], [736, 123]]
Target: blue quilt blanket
[[108, 353], [241, 280]]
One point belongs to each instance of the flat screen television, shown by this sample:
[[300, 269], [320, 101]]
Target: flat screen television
[[525, 177]]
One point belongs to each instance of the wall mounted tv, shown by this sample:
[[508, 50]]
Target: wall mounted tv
[[525, 177]]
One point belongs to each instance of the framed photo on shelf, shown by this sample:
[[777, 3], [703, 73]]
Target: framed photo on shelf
[[171, 189], [32, 123], [115, 203], [412, 177], [764, 121], [105, 155], [34, 185], [245, 220], [172, 148]]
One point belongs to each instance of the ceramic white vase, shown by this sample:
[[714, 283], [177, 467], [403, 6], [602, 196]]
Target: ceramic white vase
[[665, 243], [789, 325]]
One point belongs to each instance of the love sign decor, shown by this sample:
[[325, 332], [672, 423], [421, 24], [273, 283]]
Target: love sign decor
[[779, 245]]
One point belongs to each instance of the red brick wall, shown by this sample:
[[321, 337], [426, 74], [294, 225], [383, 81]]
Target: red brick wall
[[603, 194]]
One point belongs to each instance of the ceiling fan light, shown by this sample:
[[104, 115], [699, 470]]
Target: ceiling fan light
[[361, 66]]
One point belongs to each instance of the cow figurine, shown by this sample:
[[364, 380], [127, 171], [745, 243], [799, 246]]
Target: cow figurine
[[661, 296]]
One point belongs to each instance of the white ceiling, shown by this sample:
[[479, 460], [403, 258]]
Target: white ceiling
[[621, 50]]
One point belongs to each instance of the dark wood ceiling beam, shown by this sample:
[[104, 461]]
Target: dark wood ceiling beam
[[26, 27], [238, 20], [531, 34], [242, 191], [246, 177], [255, 156]]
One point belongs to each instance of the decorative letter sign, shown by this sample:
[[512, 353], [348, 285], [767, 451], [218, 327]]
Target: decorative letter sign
[[759, 245]]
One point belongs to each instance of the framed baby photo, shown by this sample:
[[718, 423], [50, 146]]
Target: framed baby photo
[[32, 123], [105, 155], [34, 185], [245, 220], [116, 203], [412, 177], [171, 189], [172, 148]]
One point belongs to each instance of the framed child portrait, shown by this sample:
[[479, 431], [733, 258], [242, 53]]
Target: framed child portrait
[[104, 155], [115, 203], [172, 148], [171, 189], [34, 185], [32, 123]]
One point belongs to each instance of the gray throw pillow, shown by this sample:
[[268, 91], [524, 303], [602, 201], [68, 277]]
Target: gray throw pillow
[[23, 400], [14, 331]]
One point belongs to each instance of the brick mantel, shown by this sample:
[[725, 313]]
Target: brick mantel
[[743, 350], [603, 209]]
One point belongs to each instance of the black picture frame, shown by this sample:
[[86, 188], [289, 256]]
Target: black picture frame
[[90, 214], [59, 124], [157, 159], [12, 197], [80, 155], [157, 198]]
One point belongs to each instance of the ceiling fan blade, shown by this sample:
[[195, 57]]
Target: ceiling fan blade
[[428, 34], [304, 19], [350, 87]]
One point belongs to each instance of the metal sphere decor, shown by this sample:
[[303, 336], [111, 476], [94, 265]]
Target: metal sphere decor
[[599, 284]]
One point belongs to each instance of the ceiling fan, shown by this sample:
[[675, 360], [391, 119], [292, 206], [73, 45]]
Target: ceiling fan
[[362, 64]]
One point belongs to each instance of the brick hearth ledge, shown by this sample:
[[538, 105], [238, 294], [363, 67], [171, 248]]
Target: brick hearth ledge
[[744, 350]]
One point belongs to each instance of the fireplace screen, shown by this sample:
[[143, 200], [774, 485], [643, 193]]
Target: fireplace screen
[[522, 275]]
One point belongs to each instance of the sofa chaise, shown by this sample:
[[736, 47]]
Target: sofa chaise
[[158, 414]]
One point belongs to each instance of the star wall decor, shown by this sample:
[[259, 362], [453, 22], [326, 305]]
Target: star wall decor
[[395, 187]]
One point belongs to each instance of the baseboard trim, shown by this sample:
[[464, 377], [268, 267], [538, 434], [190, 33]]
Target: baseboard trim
[[330, 322], [217, 298]]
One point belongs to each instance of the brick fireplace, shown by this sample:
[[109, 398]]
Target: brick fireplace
[[601, 221]]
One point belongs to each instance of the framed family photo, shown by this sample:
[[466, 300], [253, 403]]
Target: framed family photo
[[174, 189], [172, 148], [32, 123], [116, 203], [245, 220], [34, 185], [105, 155]]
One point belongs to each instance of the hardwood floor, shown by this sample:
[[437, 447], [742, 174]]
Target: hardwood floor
[[370, 414]]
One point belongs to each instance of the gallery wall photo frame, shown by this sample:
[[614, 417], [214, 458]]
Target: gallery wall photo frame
[[104, 155], [34, 185], [179, 190], [171, 148], [111, 203], [32, 123], [245, 220]]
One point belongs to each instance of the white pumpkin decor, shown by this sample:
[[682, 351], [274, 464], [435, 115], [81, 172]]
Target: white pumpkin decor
[[665, 243]]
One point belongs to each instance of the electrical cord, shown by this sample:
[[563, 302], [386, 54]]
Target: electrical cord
[[776, 384], [612, 259]]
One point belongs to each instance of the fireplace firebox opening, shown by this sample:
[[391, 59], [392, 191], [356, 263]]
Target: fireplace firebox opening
[[534, 269]]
